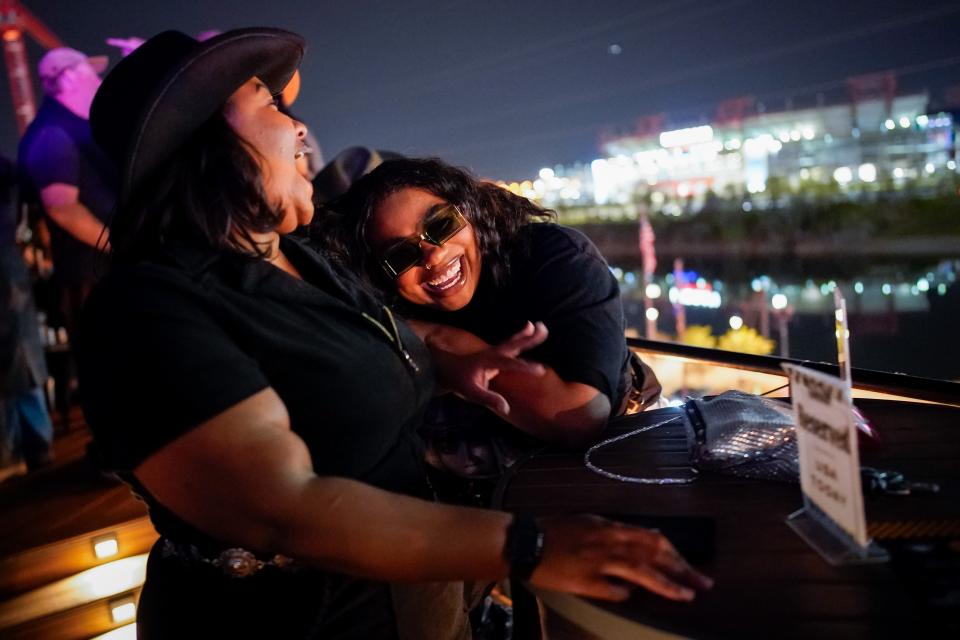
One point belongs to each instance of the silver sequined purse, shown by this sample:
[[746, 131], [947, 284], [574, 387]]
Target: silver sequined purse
[[743, 435], [733, 433]]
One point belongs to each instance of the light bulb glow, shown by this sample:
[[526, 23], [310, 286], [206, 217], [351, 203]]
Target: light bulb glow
[[123, 610], [106, 546]]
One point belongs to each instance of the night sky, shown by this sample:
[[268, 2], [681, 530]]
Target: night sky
[[507, 87]]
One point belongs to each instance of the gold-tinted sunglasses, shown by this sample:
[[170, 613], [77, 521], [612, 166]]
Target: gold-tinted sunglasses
[[439, 226]]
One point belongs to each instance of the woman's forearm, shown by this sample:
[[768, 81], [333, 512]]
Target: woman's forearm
[[245, 478], [543, 405], [350, 527], [552, 409]]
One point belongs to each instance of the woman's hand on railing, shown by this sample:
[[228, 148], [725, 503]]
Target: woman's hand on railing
[[602, 559]]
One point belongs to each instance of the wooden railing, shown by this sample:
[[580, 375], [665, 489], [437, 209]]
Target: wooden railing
[[898, 384]]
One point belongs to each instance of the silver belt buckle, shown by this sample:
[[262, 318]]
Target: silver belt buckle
[[237, 563], [240, 563]]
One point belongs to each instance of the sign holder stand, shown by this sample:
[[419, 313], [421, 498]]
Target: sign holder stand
[[832, 543], [832, 519]]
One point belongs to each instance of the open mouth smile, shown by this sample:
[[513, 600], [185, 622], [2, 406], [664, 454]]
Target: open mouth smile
[[447, 278]]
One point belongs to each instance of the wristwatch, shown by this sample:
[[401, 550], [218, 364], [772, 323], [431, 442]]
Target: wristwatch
[[523, 549]]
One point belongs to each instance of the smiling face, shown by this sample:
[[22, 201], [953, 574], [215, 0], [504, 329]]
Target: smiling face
[[446, 276], [279, 141]]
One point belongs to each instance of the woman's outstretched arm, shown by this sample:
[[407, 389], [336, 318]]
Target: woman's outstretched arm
[[537, 401], [246, 478]]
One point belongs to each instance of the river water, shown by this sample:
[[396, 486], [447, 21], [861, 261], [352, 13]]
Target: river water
[[903, 312]]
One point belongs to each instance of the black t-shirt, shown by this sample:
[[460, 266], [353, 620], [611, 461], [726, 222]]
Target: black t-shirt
[[171, 342], [557, 276], [59, 148]]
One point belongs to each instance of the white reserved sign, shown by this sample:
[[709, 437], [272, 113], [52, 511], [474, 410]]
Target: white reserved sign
[[827, 444]]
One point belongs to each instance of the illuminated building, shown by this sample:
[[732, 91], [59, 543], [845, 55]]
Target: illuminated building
[[883, 143]]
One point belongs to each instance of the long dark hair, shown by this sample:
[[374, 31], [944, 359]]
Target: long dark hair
[[497, 215], [210, 192]]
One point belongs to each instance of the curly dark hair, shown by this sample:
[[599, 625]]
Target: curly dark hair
[[210, 192], [496, 214]]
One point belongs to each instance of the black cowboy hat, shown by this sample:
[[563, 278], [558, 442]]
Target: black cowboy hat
[[154, 99]]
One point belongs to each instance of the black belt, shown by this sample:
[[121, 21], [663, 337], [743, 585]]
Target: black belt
[[235, 562]]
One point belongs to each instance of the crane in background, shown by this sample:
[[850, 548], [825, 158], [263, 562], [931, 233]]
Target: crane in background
[[15, 21]]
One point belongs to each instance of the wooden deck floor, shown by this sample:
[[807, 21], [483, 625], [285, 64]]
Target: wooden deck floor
[[69, 499]]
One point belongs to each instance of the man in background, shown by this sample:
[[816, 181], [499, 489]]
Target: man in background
[[26, 432], [72, 178]]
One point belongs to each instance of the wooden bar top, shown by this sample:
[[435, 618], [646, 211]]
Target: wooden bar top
[[768, 581]]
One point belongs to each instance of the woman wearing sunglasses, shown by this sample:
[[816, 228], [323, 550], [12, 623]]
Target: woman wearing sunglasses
[[263, 403], [458, 252]]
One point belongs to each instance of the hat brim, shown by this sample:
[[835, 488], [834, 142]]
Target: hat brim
[[197, 87]]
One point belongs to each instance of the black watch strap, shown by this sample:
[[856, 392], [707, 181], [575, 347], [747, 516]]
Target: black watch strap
[[523, 549]]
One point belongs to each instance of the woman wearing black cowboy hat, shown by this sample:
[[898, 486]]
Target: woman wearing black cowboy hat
[[265, 406]]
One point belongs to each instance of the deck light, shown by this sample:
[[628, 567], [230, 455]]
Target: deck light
[[126, 632], [890, 124], [123, 609], [105, 546], [904, 121], [736, 322]]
